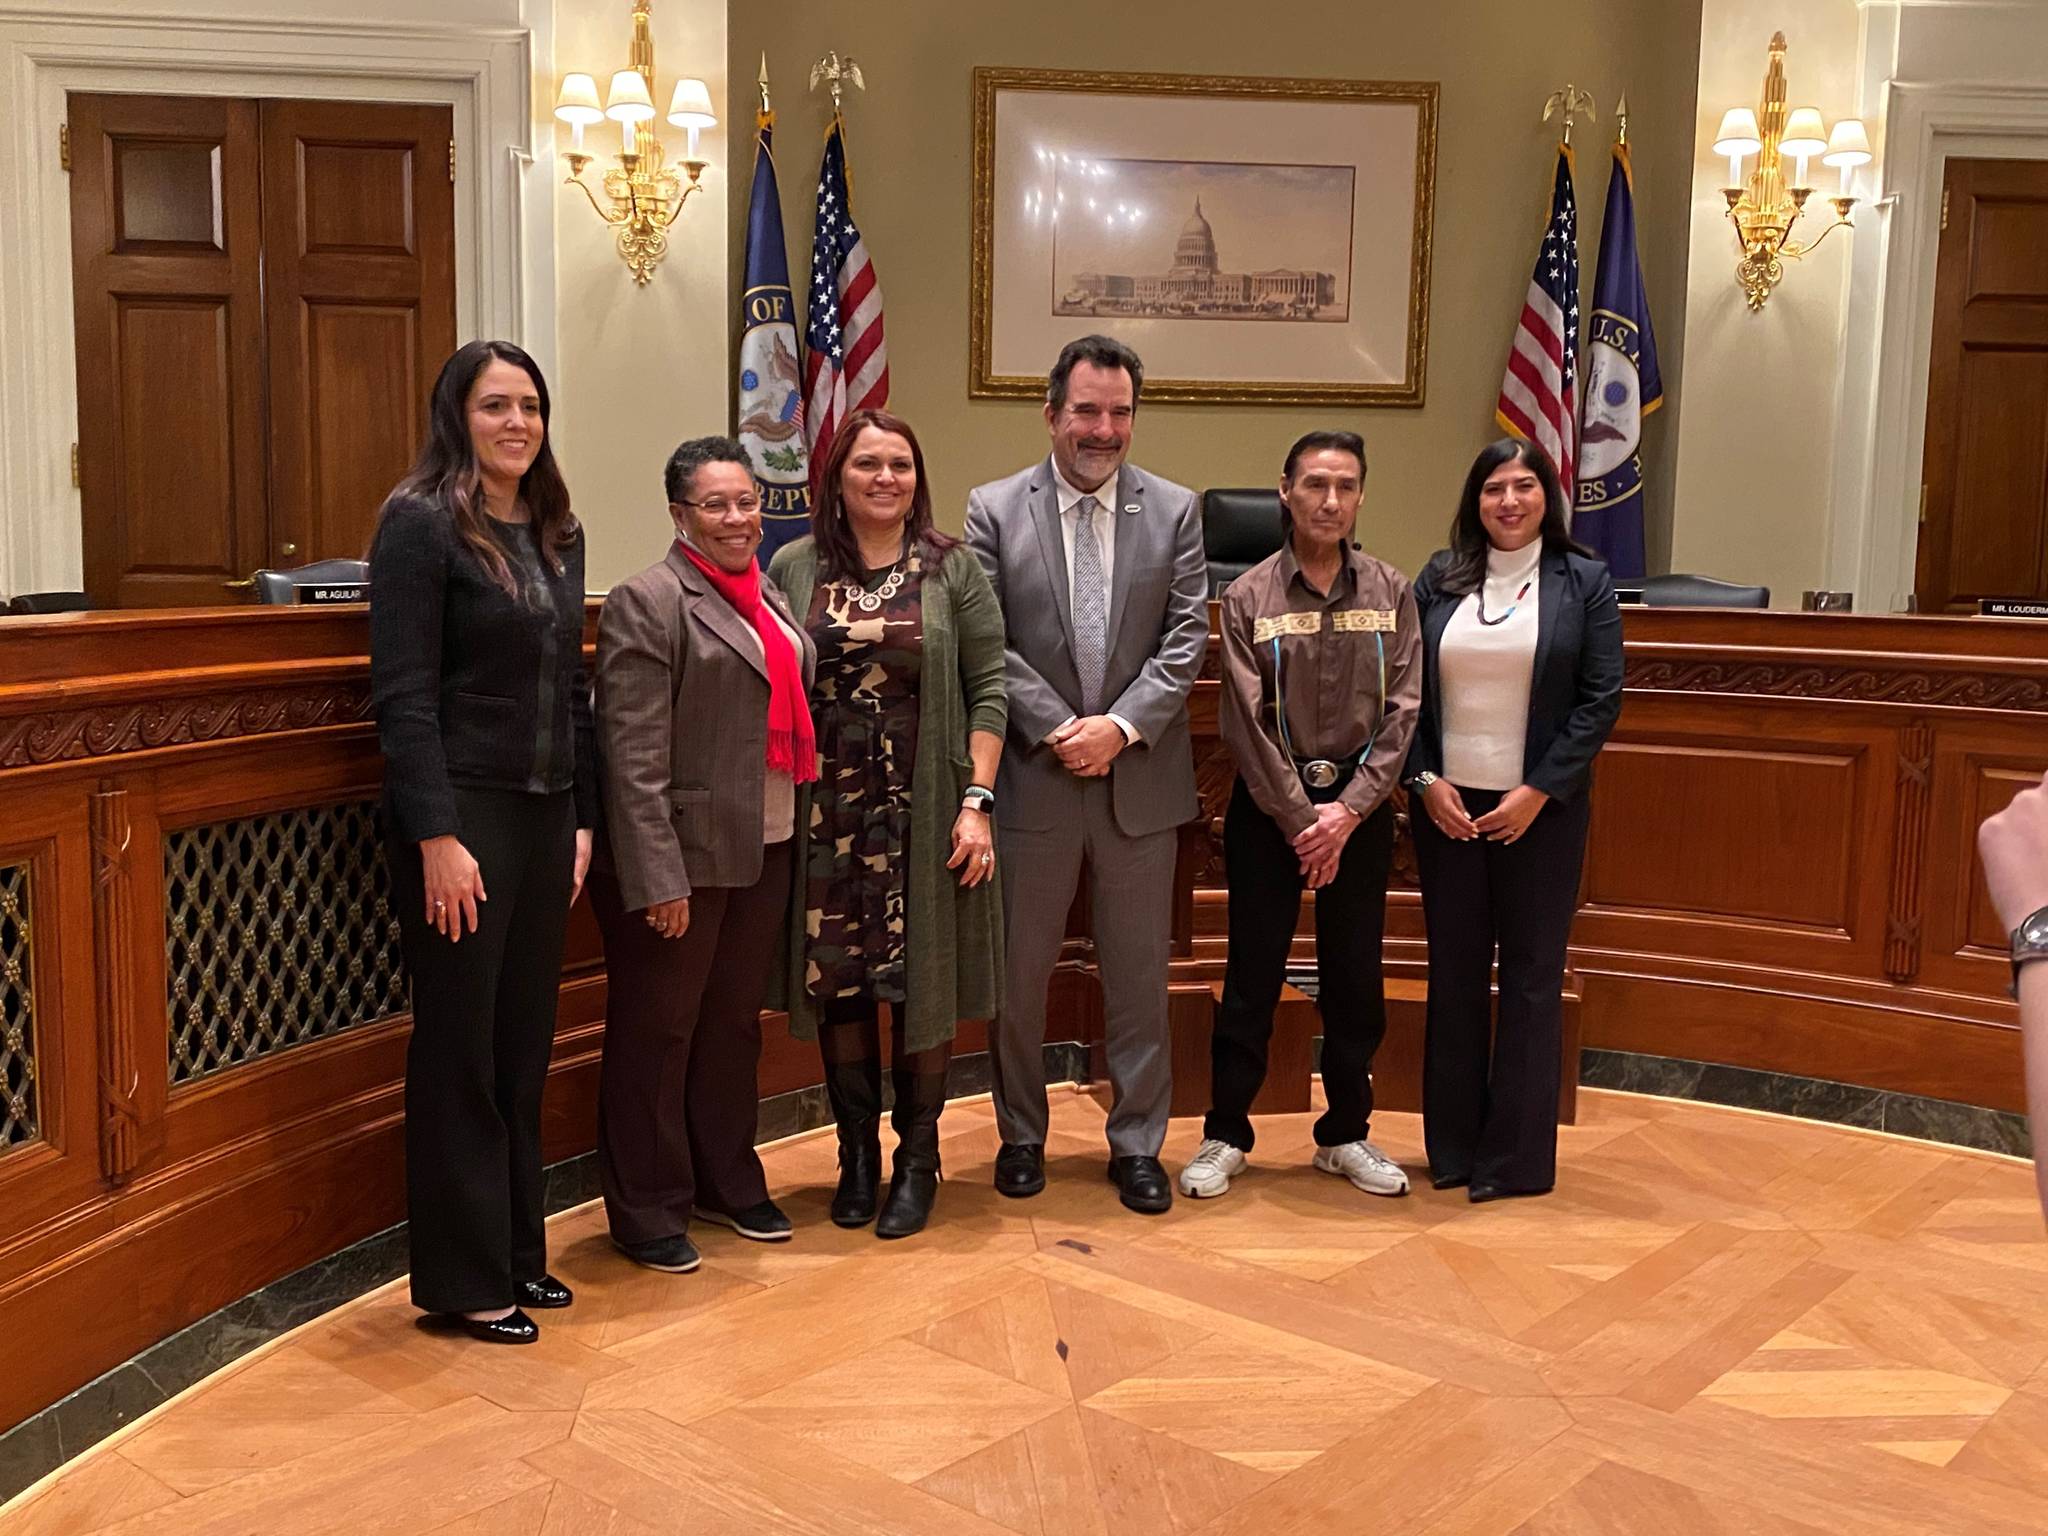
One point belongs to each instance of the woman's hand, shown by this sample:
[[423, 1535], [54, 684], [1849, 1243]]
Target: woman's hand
[[1510, 819], [582, 866], [454, 886], [974, 853], [1443, 805], [670, 919]]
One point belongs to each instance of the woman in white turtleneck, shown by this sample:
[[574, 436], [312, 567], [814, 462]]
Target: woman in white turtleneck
[[1521, 685]]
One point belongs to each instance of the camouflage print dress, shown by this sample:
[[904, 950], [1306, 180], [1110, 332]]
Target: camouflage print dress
[[865, 709]]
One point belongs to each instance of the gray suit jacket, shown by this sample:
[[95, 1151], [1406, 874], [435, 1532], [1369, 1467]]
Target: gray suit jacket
[[682, 714], [1158, 629]]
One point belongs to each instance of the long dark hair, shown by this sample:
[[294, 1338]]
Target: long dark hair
[[1467, 565], [838, 551], [446, 474]]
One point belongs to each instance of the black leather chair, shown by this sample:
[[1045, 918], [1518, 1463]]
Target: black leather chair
[[48, 602], [1702, 592], [1239, 529], [283, 586]]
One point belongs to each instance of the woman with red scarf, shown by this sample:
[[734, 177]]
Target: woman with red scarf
[[705, 732]]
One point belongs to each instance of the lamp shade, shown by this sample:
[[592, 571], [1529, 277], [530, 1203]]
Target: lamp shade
[[629, 101], [1848, 145], [1804, 136], [577, 102], [690, 107], [1738, 135]]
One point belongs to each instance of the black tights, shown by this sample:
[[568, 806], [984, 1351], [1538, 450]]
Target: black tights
[[850, 1041]]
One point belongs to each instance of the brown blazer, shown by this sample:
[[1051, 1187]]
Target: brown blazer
[[682, 719]]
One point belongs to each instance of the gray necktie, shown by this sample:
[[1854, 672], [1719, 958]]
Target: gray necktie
[[1091, 607]]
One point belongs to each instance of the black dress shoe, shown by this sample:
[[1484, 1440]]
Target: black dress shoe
[[911, 1192], [546, 1292], [860, 1171], [1144, 1183], [1020, 1169], [515, 1327], [673, 1255], [1479, 1194], [1449, 1180]]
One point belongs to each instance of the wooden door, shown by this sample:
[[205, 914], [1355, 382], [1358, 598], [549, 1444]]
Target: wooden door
[[167, 275], [359, 257], [1984, 520]]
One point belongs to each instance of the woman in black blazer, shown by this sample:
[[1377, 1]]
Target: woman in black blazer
[[490, 795], [1521, 684]]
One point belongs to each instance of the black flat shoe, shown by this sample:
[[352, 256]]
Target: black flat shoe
[[1449, 1180], [911, 1192], [1143, 1182], [672, 1255], [515, 1327], [545, 1293], [1479, 1194], [764, 1223], [1020, 1169]]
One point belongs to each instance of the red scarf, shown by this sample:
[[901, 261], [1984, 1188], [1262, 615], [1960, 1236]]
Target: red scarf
[[792, 743]]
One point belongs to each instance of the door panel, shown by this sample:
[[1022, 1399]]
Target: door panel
[[1984, 530], [359, 242], [166, 233]]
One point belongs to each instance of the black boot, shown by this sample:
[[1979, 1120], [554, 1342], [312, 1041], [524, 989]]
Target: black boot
[[855, 1090], [920, 1096]]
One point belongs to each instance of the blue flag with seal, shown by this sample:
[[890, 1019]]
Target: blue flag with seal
[[770, 408], [1623, 387]]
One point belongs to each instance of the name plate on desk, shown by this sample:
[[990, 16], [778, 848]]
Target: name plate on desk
[[2012, 608], [320, 594]]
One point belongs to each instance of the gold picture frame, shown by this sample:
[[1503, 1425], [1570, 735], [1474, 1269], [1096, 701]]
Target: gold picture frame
[[1294, 332]]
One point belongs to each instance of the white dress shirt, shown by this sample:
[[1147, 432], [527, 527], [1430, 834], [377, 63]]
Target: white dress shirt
[[1486, 671], [1105, 539]]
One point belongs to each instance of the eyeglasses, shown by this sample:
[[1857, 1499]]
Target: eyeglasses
[[718, 506]]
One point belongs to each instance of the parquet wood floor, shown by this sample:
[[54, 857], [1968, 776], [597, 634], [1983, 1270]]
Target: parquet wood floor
[[1721, 1323]]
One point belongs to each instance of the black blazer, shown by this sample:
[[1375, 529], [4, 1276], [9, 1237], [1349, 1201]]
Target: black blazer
[[471, 685], [1575, 693]]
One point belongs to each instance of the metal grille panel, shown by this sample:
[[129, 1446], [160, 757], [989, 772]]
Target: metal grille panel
[[279, 931], [18, 1125]]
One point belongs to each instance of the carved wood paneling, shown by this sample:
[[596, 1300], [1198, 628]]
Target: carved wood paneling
[[106, 730], [1853, 683], [1909, 848], [113, 916]]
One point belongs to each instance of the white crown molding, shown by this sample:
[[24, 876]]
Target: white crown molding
[[1874, 521], [483, 73]]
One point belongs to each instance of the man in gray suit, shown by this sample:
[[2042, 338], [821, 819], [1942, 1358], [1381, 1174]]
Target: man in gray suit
[[1104, 587]]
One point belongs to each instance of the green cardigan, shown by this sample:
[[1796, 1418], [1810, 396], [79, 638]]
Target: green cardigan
[[953, 937]]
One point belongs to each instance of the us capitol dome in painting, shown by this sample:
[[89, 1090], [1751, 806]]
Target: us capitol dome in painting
[[1196, 286]]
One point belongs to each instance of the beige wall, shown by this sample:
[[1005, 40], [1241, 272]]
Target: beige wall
[[635, 369], [1756, 445], [1497, 61]]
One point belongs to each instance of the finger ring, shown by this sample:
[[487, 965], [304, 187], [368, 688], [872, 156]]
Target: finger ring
[[440, 907], [988, 858]]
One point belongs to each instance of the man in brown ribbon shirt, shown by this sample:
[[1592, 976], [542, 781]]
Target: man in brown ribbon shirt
[[1322, 674]]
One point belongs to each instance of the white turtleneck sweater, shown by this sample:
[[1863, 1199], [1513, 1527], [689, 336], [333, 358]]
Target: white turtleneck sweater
[[1485, 672]]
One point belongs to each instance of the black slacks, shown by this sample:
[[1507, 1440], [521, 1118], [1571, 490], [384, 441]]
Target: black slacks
[[1489, 1092], [483, 1024], [678, 1093], [1265, 886]]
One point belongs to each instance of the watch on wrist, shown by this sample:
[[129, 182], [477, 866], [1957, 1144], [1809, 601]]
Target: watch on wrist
[[2029, 945], [979, 797], [1422, 781]]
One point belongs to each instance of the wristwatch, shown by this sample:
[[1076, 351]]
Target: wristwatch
[[2029, 944], [979, 797], [1422, 781]]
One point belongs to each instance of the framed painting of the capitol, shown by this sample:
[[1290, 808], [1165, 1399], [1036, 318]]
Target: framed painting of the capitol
[[1256, 240]]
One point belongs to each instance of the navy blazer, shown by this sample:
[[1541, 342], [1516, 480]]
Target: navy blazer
[[1575, 691]]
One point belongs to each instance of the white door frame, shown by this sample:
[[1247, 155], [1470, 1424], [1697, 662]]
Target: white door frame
[[1874, 527], [484, 74]]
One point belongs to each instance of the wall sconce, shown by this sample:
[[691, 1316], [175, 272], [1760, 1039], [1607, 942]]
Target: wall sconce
[[1764, 207], [642, 193]]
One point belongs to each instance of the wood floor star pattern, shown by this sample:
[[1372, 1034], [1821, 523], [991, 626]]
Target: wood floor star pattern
[[1720, 1323]]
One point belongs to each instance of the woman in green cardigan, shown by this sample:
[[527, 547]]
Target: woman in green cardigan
[[895, 898]]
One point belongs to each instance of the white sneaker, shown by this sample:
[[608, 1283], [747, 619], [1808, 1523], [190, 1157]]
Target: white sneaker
[[1214, 1165], [1365, 1165]]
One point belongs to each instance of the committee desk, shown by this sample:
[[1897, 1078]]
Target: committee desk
[[203, 1012]]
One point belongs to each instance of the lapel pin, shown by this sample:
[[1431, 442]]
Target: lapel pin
[[1130, 506]]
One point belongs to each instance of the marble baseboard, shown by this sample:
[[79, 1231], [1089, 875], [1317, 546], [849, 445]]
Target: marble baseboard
[[45, 1441]]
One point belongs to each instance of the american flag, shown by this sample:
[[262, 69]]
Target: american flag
[[1539, 395], [847, 368]]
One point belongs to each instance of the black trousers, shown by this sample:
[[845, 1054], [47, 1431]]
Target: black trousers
[[1489, 1092], [1265, 886], [678, 1095], [483, 1024]]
